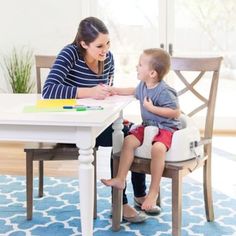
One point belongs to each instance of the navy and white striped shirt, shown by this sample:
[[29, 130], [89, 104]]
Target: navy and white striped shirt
[[70, 72]]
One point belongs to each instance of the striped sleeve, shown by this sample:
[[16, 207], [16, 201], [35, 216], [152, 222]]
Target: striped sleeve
[[55, 85]]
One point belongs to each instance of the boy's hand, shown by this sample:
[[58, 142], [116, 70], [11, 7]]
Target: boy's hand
[[111, 90], [147, 103]]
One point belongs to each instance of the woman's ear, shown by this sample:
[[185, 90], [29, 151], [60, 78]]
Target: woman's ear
[[83, 45]]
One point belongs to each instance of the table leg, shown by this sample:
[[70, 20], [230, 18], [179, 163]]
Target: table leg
[[117, 135], [86, 182]]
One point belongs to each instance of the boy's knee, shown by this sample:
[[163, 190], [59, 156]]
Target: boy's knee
[[131, 141], [159, 147]]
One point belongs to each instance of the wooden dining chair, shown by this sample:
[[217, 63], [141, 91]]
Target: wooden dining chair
[[46, 151], [207, 70]]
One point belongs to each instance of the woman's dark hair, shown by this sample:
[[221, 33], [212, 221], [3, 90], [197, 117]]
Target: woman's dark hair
[[88, 31]]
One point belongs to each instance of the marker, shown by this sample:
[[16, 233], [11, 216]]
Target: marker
[[93, 107], [69, 107], [111, 81], [83, 108], [80, 109]]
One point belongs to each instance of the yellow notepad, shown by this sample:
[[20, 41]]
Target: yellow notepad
[[46, 103]]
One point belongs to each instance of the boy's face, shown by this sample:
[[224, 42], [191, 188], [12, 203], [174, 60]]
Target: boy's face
[[143, 68]]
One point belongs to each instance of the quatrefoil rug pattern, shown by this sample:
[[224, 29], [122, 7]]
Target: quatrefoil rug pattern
[[58, 212]]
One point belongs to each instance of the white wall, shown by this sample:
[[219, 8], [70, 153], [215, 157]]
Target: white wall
[[45, 26]]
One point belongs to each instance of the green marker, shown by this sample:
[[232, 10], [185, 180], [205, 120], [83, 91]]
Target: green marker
[[81, 109]]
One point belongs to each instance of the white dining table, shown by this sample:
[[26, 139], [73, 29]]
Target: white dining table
[[80, 128]]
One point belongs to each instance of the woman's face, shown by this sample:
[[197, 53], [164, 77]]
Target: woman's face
[[98, 49]]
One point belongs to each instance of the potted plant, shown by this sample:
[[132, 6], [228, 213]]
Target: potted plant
[[17, 69]]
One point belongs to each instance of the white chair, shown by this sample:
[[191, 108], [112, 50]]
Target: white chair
[[186, 142]]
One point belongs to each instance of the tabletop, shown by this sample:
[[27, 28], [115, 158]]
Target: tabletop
[[12, 105]]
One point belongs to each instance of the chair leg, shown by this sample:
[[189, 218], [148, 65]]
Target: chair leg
[[176, 203], [95, 183], [29, 185], [208, 191], [116, 201], [41, 170]]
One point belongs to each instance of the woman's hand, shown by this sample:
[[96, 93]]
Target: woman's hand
[[112, 90], [100, 92]]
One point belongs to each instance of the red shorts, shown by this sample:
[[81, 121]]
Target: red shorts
[[164, 136]]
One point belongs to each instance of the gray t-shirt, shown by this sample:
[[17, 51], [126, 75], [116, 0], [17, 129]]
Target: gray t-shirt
[[163, 96]]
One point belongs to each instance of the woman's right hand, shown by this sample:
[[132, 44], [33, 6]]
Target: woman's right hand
[[100, 92]]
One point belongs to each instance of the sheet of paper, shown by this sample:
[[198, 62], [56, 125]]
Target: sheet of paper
[[32, 109]]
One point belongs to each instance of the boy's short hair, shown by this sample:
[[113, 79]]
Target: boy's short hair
[[160, 61]]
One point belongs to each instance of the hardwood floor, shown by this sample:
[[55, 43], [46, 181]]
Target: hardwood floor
[[12, 162]]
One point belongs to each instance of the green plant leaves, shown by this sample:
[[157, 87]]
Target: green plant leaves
[[18, 68]]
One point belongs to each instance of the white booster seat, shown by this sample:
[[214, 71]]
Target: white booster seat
[[185, 142]]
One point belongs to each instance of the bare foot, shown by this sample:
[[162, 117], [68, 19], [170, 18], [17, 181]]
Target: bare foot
[[115, 182], [149, 202]]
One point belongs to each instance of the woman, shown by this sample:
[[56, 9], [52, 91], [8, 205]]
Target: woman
[[80, 71]]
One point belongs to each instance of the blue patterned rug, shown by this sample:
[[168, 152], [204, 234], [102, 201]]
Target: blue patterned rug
[[57, 213]]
